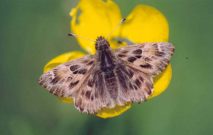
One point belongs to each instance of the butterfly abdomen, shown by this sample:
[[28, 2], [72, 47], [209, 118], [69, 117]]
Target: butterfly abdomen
[[111, 83]]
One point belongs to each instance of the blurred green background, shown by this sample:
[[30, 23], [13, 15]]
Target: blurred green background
[[34, 31]]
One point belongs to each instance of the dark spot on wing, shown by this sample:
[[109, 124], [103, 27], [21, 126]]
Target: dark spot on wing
[[160, 54], [138, 51], [90, 82], [146, 66], [73, 84], [149, 92], [55, 80], [44, 85], [82, 71], [88, 93], [141, 78], [74, 67], [138, 83], [131, 59], [131, 86], [130, 73], [135, 87], [121, 55], [90, 63], [75, 72], [138, 56], [69, 79]]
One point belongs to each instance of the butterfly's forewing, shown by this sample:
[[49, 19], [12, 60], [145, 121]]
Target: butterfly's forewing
[[150, 58], [65, 79], [92, 95]]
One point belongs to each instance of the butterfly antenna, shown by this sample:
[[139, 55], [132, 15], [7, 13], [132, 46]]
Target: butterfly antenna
[[77, 36], [116, 27]]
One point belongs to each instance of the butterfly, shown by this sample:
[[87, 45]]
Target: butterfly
[[110, 77]]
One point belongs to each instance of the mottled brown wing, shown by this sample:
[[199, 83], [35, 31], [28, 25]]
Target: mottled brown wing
[[151, 58], [65, 79], [117, 87]]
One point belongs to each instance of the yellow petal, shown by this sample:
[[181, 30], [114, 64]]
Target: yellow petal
[[66, 100], [109, 113], [62, 59], [145, 24], [93, 18], [161, 82]]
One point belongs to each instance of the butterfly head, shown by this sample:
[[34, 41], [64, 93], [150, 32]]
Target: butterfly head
[[101, 43]]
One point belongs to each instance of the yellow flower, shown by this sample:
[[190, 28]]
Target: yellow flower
[[92, 18]]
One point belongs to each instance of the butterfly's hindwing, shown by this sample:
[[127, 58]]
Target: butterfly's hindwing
[[134, 85], [151, 58]]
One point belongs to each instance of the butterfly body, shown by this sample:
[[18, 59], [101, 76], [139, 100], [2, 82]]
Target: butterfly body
[[109, 78], [104, 55]]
